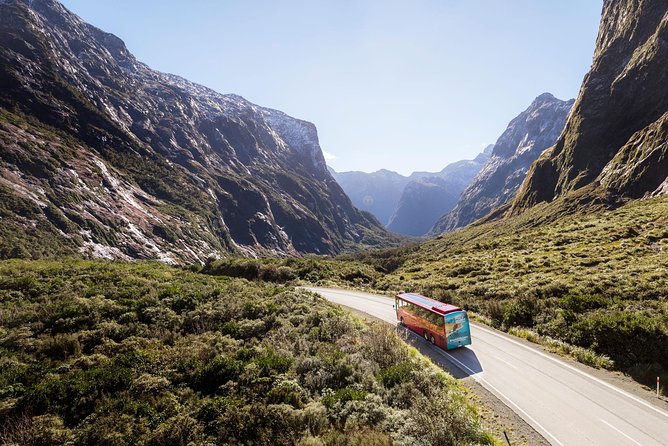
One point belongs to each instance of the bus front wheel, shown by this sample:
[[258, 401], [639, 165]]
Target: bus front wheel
[[426, 335], [401, 321], [433, 341]]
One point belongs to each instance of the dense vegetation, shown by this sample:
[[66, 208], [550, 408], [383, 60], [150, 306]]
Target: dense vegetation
[[596, 280], [314, 270], [141, 353]]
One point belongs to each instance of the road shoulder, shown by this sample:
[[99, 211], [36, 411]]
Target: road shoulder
[[613, 378], [496, 416]]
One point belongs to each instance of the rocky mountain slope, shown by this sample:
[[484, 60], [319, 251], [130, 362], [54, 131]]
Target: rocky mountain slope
[[377, 192], [410, 205], [527, 136], [101, 155], [427, 197], [615, 140]]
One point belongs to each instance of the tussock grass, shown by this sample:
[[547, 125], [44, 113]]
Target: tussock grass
[[592, 284], [583, 355], [96, 352]]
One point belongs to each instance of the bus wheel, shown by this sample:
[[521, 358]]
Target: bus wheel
[[401, 321], [426, 336], [432, 339]]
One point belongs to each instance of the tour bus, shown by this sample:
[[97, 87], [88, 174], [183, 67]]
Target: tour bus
[[446, 326]]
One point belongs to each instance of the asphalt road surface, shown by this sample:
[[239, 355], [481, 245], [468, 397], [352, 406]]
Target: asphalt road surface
[[565, 404]]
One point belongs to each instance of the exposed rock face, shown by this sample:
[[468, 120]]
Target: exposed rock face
[[527, 136], [429, 196], [102, 155], [376, 192], [410, 205], [615, 138]]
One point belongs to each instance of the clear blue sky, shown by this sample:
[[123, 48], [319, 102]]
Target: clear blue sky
[[403, 85]]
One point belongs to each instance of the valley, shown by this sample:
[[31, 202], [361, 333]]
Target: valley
[[180, 266]]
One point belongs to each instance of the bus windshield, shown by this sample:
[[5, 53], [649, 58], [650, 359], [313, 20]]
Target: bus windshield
[[458, 331], [444, 325]]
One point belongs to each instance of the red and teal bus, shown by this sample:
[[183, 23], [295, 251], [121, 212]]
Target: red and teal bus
[[444, 325]]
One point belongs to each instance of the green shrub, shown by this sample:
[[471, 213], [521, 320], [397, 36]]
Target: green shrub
[[118, 353], [271, 363], [342, 396], [521, 312], [75, 396], [286, 392], [216, 372], [628, 338], [230, 328], [396, 374], [579, 303]]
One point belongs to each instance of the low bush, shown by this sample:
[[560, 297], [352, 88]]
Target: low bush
[[305, 270], [595, 279], [520, 312], [396, 374], [628, 338], [142, 353]]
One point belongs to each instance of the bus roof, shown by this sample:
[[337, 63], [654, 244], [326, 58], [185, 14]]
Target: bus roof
[[428, 303]]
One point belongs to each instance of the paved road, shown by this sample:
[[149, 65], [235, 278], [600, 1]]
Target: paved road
[[566, 405]]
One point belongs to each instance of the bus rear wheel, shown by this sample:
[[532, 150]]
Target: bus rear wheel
[[401, 321], [431, 338], [426, 335]]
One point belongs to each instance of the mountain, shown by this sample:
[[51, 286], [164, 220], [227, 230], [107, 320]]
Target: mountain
[[101, 155], [429, 196], [527, 136], [376, 192], [410, 205], [614, 145]]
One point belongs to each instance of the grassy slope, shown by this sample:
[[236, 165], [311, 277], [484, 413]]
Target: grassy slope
[[595, 279], [141, 353]]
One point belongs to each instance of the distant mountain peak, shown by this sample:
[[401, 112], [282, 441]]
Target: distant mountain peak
[[409, 205], [545, 97], [526, 137]]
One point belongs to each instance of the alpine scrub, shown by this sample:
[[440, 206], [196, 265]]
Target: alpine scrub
[[96, 352]]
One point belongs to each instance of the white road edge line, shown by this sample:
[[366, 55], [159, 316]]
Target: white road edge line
[[585, 374], [479, 378], [613, 427]]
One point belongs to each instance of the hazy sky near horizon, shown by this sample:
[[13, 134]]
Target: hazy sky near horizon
[[402, 85]]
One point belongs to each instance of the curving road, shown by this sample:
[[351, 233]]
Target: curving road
[[565, 404]]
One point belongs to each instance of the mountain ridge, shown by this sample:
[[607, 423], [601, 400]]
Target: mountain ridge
[[409, 205], [429, 196], [616, 126], [186, 172], [526, 137]]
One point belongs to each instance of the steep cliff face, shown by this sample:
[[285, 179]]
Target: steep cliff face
[[105, 156], [614, 140], [428, 196], [526, 137], [377, 192], [410, 205]]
